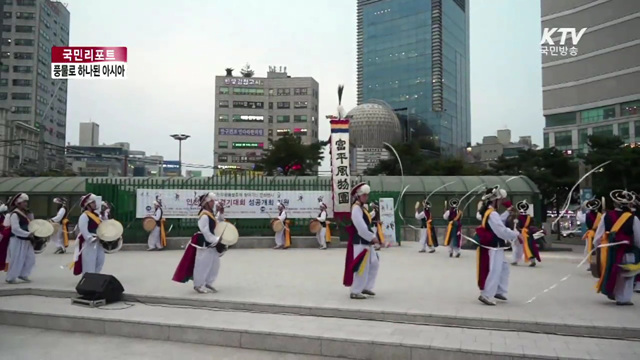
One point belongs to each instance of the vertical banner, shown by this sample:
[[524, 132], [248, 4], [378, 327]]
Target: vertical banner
[[340, 173], [388, 219]]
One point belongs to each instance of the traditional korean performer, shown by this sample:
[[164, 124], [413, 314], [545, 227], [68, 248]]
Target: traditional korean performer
[[157, 239], [201, 259], [362, 261], [494, 237], [453, 236], [590, 214], [22, 258], [5, 236], [88, 256], [321, 236], [283, 237], [428, 237], [524, 225], [61, 237], [377, 224], [619, 235]]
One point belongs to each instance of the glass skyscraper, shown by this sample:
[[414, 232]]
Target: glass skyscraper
[[414, 55]]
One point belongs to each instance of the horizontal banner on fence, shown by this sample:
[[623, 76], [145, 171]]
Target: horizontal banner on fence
[[238, 204]]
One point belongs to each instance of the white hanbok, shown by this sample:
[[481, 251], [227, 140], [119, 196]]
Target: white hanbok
[[280, 235], [22, 258], [154, 241], [321, 235], [207, 264], [58, 237], [92, 251], [366, 280]]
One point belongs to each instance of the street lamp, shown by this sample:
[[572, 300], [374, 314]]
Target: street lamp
[[180, 138]]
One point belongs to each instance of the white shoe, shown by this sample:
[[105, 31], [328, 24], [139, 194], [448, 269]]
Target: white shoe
[[201, 290]]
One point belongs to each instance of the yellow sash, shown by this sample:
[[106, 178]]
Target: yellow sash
[[447, 238], [65, 232], [93, 217], [525, 235], [163, 235], [591, 233], [287, 234], [604, 251], [328, 233], [429, 236], [485, 218]]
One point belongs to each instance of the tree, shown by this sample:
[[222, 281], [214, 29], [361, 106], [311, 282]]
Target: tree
[[550, 169], [289, 156], [421, 157], [624, 170]]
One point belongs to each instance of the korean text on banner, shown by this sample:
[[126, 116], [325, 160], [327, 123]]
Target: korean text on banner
[[387, 217], [340, 173], [239, 204], [88, 62]]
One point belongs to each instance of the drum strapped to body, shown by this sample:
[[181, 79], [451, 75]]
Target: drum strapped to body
[[41, 230], [109, 233], [315, 226], [595, 264], [227, 232], [148, 224], [277, 225]]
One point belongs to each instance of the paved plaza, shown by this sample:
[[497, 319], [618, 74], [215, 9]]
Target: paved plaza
[[423, 300]]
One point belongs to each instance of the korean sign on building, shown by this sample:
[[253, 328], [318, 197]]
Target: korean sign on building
[[239, 204], [241, 132], [340, 179], [242, 81], [88, 62], [559, 45]]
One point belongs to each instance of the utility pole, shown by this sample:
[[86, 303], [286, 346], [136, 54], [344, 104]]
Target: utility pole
[[41, 155], [180, 138]]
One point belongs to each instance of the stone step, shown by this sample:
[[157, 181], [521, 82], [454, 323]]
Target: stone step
[[298, 334], [576, 328]]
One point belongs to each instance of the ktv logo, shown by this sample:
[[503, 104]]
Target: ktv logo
[[549, 46]]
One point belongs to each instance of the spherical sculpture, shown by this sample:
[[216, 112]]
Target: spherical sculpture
[[373, 123]]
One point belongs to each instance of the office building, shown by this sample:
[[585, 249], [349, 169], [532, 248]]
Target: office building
[[494, 146], [590, 86], [29, 29], [414, 55], [251, 110], [89, 134]]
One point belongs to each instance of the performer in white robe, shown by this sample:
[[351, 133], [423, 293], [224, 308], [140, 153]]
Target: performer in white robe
[[362, 261], [494, 237], [89, 252], [321, 235], [105, 211], [282, 237], [220, 212], [428, 235], [154, 241], [61, 238], [618, 225], [22, 258]]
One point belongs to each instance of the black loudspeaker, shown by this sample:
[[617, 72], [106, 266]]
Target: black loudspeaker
[[94, 286]]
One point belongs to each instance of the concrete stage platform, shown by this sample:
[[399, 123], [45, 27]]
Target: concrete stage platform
[[293, 301]]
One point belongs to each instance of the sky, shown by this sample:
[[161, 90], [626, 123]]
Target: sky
[[175, 52]]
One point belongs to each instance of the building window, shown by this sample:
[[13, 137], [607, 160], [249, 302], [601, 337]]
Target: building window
[[248, 105], [248, 118], [283, 132], [300, 104], [7, 15], [284, 92], [596, 115], [23, 56], [637, 127], [300, 132], [223, 103], [300, 118], [25, 29], [4, 82], [4, 68], [5, 55], [271, 92], [300, 91], [21, 96], [6, 42], [25, 15], [630, 108], [3, 96], [26, 2], [6, 28], [560, 119], [270, 105], [223, 118], [563, 140], [248, 91], [223, 158], [606, 130], [224, 90], [270, 119], [623, 132], [24, 42], [223, 144], [22, 69], [22, 110], [284, 105], [270, 132], [583, 140], [283, 118], [545, 140]]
